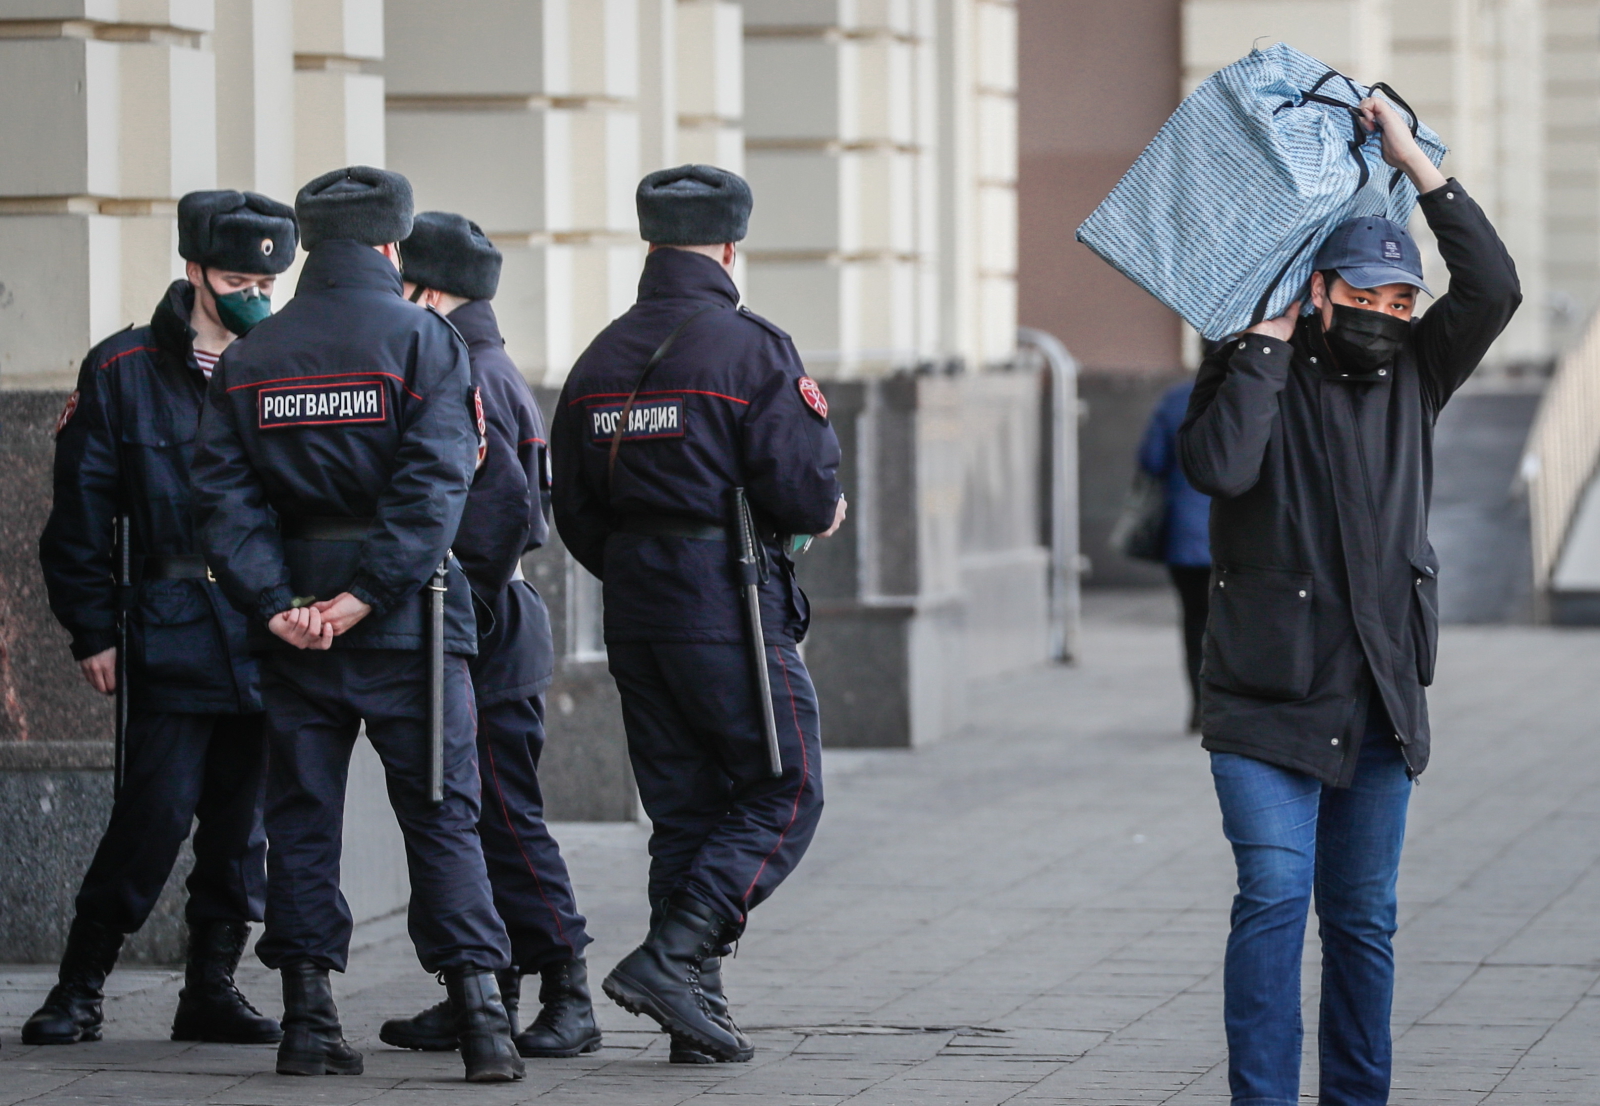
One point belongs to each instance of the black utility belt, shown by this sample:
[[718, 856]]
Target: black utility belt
[[676, 526], [324, 528], [671, 526], [174, 566]]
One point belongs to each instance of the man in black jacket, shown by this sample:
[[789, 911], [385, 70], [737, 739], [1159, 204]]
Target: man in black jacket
[[675, 404], [1314, 435], [194, 747], [450, 266], [336, 450]]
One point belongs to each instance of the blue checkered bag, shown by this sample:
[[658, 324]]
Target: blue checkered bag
[[1222, 214]]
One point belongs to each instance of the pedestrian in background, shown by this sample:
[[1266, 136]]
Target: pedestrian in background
[[1186, 547], [1315, 436], [193, 742]]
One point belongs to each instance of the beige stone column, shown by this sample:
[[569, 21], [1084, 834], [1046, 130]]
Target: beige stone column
[[255, 49], [658, 84], [1571, 138], [524, 117], [709, 71], [110, 117], [338, 93], [836, 250]]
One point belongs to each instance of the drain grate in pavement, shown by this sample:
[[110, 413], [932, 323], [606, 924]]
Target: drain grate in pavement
[[875, 1030]]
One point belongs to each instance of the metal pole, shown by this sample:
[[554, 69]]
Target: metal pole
[[1065, 574]]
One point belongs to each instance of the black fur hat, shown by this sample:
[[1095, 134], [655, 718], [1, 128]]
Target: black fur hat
[[693, 205], [449, 253], [372, 206], [240, 232]]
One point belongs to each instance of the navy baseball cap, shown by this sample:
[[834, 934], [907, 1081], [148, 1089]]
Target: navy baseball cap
[[1369, 251]]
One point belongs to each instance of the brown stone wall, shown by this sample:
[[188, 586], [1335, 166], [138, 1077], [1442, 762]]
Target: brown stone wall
[[42, 696], [1097, 78]]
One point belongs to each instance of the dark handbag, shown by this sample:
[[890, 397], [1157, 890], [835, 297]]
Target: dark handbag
[[1141, 529]]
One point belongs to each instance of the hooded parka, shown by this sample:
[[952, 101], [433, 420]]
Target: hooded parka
[[1324, 589]]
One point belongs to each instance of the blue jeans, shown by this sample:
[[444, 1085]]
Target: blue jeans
[[1292, 835]]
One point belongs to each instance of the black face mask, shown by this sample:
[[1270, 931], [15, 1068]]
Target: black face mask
[[1362, 341]]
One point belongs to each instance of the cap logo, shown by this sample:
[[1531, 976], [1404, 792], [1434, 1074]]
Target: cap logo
[[1391, 250], [266, 247]]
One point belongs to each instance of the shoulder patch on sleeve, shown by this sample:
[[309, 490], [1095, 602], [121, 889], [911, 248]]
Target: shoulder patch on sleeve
[[764, 324], [811, 393], [67, 412], [482, 424]]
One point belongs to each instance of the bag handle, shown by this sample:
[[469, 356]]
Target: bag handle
[[627, 408]]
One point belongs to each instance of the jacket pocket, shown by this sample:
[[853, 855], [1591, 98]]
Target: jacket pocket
[[1259, 634], [175, 642], [1425, 612]]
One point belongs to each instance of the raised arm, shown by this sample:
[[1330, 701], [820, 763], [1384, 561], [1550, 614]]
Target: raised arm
[[1234, 407]]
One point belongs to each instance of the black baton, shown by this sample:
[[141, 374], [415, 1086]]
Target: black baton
[[119, 739], [750, 580], [436, 591]]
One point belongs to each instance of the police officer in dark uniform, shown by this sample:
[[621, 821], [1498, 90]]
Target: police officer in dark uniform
[[193, 742], [449, 265], [336, 450], [675, 405]]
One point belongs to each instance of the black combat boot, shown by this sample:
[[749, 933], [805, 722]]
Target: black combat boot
[[661, 977], [684, 1051], [72, 1012], [510, 980], [565, 1025], [434, 1030], [482, 1028], [313, 1042], [210, 1006]]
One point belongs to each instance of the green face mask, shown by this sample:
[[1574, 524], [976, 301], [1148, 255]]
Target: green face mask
[[239, 311]]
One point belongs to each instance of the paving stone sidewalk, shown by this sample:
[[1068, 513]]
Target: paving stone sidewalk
[[1031, 913]]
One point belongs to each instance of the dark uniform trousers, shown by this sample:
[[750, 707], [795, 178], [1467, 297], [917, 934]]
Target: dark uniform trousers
[[180, 767], [723, 828], [532, 890], [316, 702]]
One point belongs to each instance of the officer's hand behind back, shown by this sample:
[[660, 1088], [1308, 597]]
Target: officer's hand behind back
[[341, 612], [302, 628], [1281, 328]]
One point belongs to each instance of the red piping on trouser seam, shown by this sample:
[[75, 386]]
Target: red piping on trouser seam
[[494, 771], [805, 774]]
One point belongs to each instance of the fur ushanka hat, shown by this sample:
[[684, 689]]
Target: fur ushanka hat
[[239, 232], [449, 253], [693, 205], [370, 206]]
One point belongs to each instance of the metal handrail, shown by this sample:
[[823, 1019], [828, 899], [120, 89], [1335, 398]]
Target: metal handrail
[[1065, 582], [1562, 453]]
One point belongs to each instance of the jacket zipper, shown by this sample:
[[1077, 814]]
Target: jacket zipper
[[1372, 517]]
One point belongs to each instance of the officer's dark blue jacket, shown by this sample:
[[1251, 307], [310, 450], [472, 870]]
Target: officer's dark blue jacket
[[348, 403], [125, 444], [725, 407], [504, 518]]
